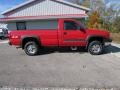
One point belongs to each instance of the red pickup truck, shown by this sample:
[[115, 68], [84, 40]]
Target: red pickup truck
[[70, 33]]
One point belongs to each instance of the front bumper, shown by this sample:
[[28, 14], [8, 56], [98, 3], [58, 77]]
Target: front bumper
[[107, 42]]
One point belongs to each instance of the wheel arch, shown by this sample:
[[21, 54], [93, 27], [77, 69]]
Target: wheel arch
[[94, 38], [26, 39]]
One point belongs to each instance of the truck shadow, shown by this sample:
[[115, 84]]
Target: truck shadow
[[111, 49], [61, 50], [107, 50]]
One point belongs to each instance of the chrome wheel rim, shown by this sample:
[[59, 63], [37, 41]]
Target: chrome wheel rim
[[31, 49], [96, 48]]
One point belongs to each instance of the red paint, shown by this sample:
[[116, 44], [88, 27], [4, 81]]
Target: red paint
[[58, 37]]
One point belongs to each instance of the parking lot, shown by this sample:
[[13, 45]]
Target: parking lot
[[59, 68]]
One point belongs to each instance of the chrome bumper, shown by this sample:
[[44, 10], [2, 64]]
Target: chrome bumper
[[107, 42]]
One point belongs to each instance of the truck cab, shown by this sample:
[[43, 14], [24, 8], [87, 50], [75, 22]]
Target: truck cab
[[69, 33]]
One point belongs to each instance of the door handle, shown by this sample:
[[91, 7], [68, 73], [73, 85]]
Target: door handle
[[65, 33]]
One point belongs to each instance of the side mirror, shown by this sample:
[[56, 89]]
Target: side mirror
[[82, 28]]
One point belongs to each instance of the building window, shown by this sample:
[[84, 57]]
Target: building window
[[70, 25], [21, 25]]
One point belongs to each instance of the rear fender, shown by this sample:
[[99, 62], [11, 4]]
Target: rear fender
[[30, 38]]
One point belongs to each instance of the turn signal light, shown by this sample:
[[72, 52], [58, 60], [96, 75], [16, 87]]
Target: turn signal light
[[14, 37]]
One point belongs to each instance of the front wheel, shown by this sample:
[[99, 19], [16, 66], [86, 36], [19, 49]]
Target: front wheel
[[95, 48], [31, 48]]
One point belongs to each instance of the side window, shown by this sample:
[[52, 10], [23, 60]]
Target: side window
[[70, 25], [21, 25]]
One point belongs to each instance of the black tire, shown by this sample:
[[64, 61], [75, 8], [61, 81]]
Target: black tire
[[95, 48], [1, 37], [31, 48]]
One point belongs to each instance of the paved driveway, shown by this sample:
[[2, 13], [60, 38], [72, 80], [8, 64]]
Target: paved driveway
[[59, 69]]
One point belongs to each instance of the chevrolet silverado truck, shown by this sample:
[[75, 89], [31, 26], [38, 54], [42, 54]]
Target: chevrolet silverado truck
[[70, 33]]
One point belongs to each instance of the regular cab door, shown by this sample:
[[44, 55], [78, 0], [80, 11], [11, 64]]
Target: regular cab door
[[72, 35]]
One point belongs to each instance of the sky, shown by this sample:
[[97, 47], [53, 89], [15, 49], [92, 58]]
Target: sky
[[7, 4]]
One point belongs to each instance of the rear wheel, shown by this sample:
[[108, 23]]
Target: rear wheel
[[95, 48], [31, 48]]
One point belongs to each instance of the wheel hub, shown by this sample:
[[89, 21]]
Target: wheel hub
[[31, 49], [96, 48]]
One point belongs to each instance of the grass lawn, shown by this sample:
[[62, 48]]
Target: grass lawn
[[116, 37]]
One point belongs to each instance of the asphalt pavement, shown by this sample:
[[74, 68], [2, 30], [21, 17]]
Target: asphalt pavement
[[59, 68]]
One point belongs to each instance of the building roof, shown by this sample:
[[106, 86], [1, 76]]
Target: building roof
[[74, 5], [29, 18], [31, 1]]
